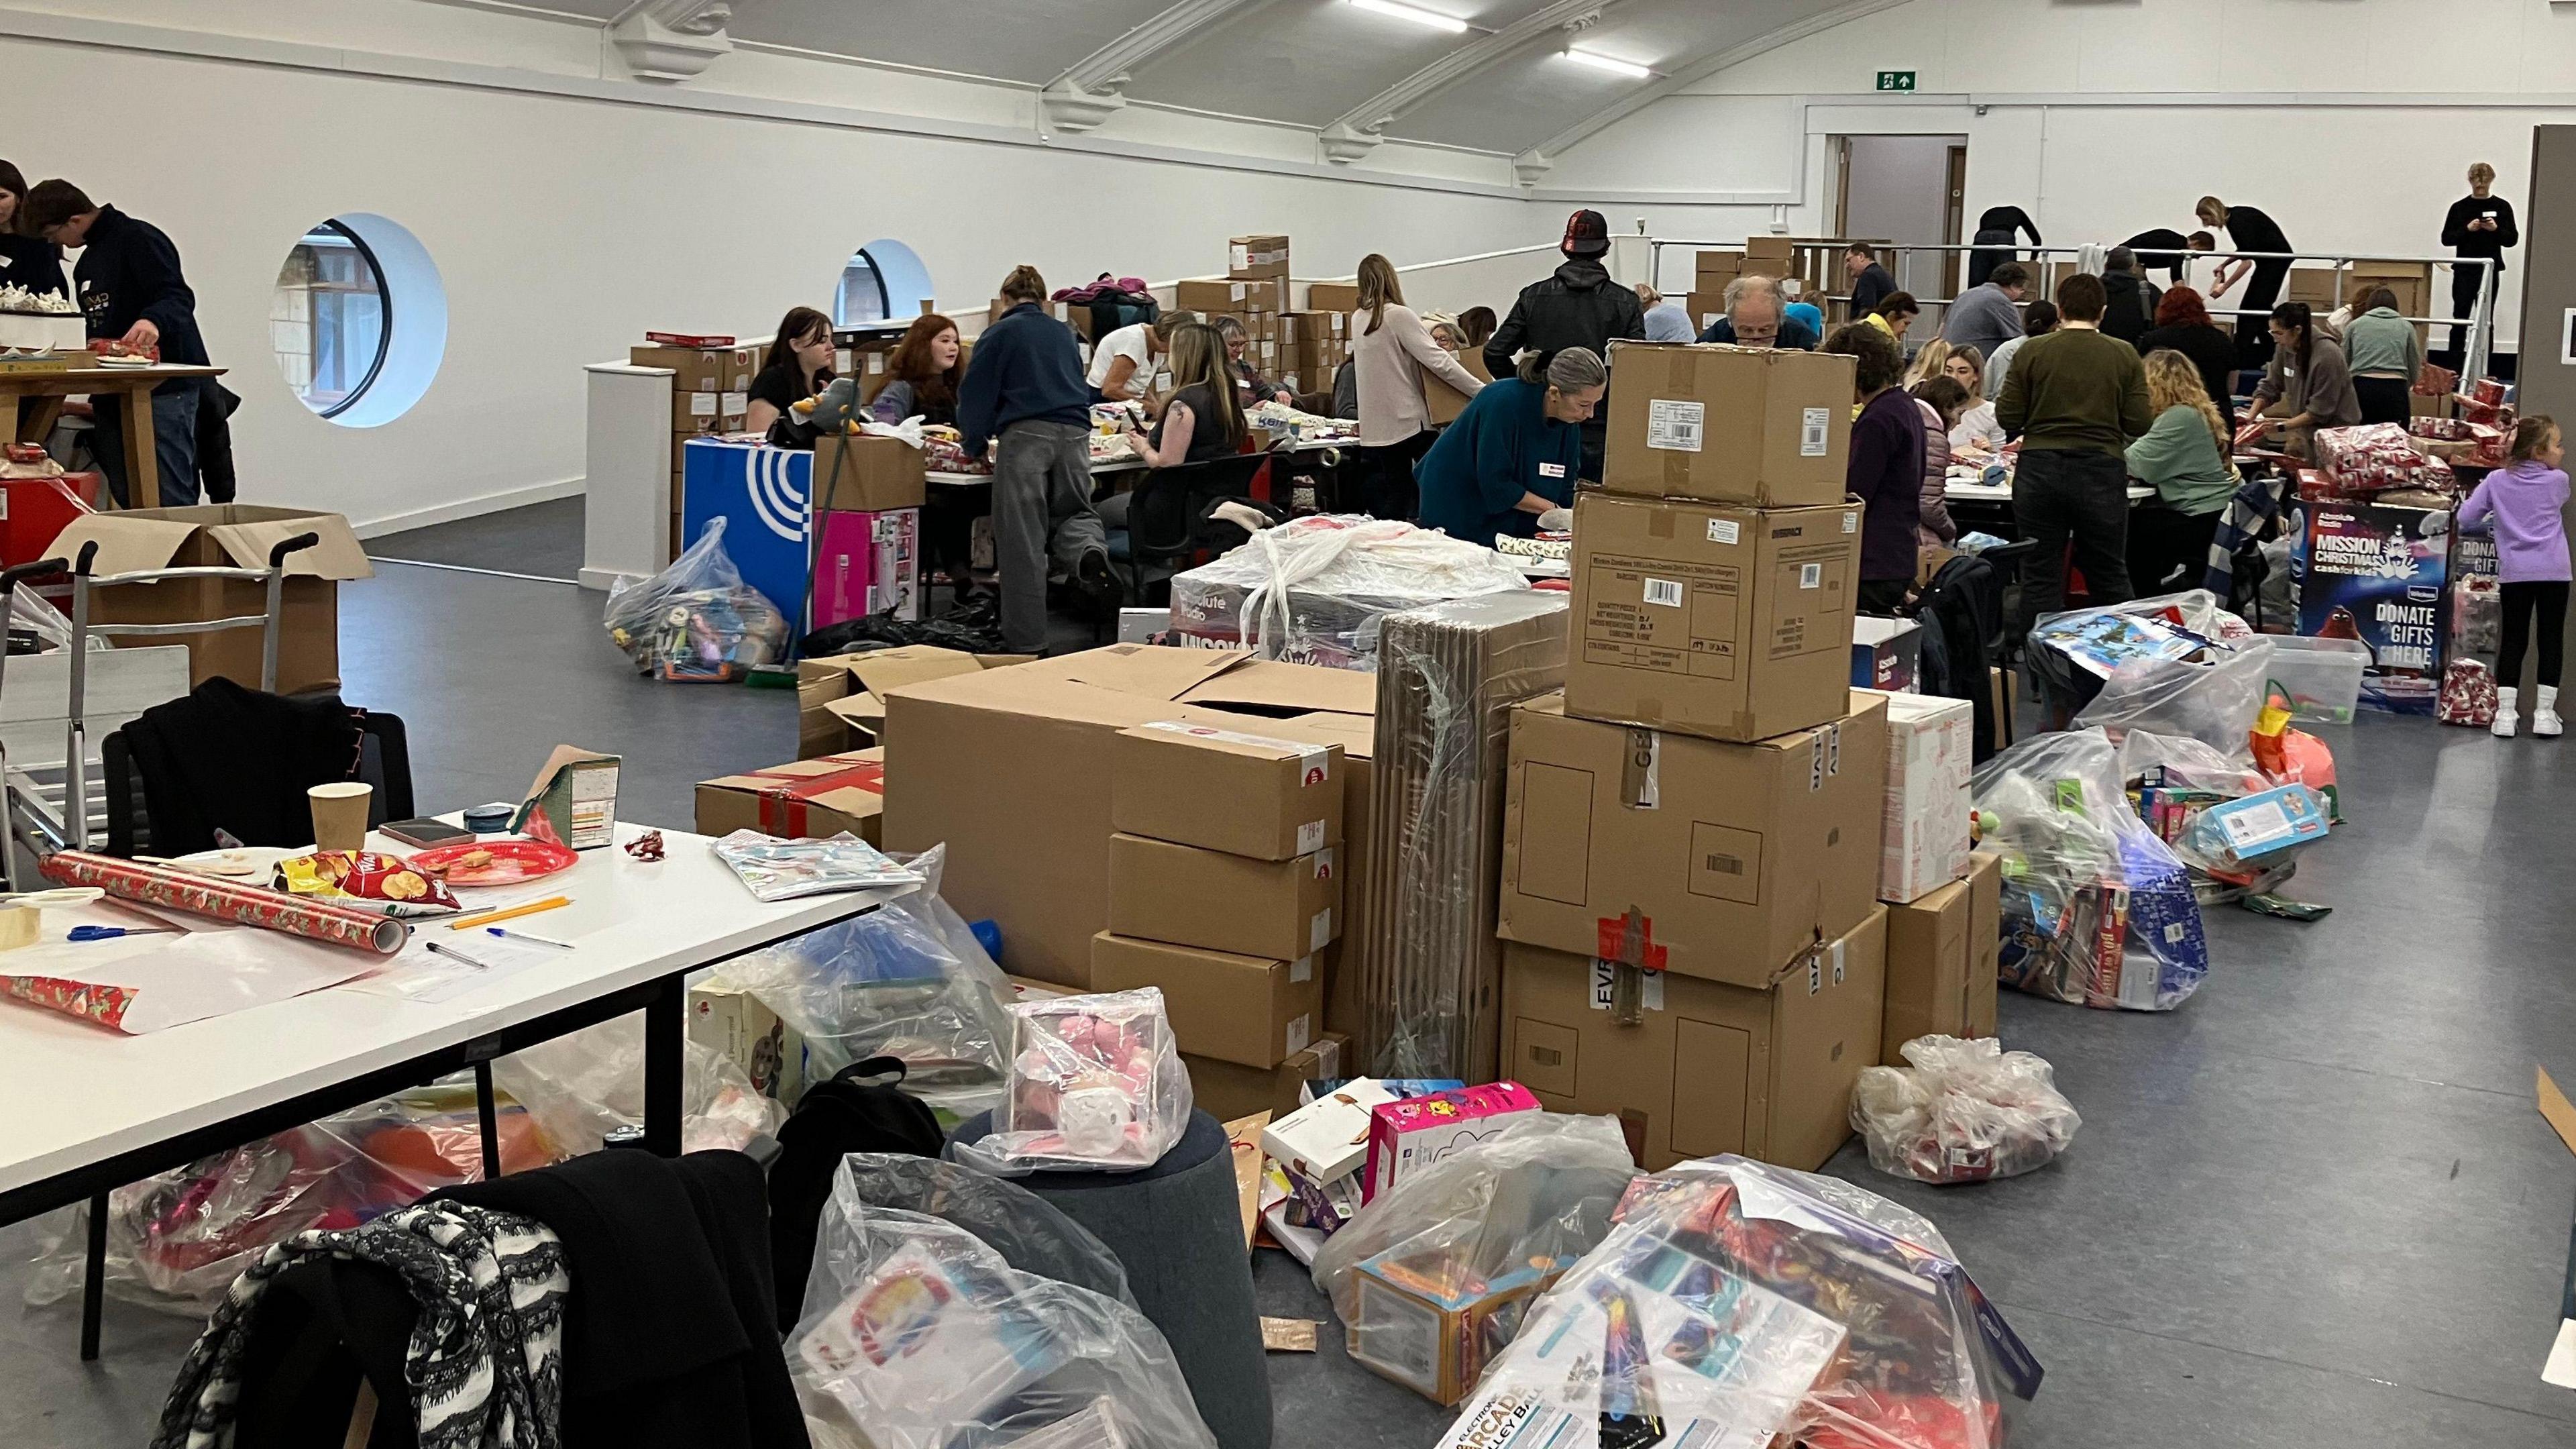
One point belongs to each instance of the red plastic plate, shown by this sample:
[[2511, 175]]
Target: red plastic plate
[[512, 861]]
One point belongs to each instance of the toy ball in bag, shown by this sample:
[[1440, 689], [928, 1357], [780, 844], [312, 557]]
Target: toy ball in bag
[[1096, 1083], [2468, 694]]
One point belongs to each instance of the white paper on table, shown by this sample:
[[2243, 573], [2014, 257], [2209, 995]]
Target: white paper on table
[[417, 973], [208, 969], [2561, 1367]]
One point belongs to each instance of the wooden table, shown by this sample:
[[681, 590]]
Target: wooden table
[[48, 389]]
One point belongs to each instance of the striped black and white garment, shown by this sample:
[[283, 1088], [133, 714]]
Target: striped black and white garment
[[484, 1362]]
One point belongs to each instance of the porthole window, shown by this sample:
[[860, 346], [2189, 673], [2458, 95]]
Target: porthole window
[[861, 297], [358, 320], [881, 281]]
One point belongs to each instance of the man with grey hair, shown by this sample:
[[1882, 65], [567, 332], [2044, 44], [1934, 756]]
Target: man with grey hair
[[1988, 315], [1757, 316]]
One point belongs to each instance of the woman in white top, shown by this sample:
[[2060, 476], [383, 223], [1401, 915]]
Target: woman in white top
[[1122, 364], [1977, 431], [1389, 353]]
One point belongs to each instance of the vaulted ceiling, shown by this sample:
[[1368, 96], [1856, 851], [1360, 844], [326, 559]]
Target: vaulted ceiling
[[1502, 81]]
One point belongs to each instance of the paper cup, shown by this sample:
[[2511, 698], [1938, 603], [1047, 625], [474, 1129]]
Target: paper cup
[[340, 815]]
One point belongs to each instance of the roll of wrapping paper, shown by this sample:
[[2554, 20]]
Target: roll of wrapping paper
[[224, 900]]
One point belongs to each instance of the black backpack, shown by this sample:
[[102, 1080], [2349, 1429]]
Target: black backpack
[[1961, 612], [850, 1113], [1113, 310]]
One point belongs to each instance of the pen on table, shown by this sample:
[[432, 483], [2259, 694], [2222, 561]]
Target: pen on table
[[455, 955], [529, 936]]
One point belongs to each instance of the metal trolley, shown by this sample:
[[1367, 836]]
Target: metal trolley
[[37, 818]]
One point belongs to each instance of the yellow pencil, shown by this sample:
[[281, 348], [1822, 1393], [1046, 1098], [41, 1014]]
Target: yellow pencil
[[530, 909]]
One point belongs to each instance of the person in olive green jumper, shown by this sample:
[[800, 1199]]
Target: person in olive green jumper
[[2184, 458], [2075, 398], [2385, 357]]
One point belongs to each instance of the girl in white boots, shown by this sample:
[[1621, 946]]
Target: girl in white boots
[[2525, 499]]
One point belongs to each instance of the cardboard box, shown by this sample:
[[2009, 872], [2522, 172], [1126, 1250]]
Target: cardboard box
[[733, 1024], [1230, 296], [1247, 794], [1707, 1068], [1705, 306], [1447, 402], [701, 369], [1356, 734], [1923, 843], [1942, 952], [1430, 1318], [1712, 860], [867, 474], [1409, 1135], [1732, 623], [1255, 257], [842, 696], [1769, 255], [800, 800], [1763, 425], [1167, 892], [866, 563], [1250, 1010], [227, 535], [1342, 298], [1718, 267], [1326, 1140], [1011, 767], [1230, 1090]]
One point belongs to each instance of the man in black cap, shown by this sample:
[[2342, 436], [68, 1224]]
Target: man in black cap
[[1577, 306]]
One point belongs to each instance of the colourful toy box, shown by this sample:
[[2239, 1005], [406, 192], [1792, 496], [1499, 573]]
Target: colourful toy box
[[1412, 1133]]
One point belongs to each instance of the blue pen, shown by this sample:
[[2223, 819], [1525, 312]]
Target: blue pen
[[509, 935], [110, 933]]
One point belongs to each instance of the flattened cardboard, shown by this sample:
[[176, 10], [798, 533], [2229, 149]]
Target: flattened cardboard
[[1729, 623], [1766, 426], [1250, 1010], [1231, 1089], [1248, 794], [811, 799], [227, 535], [1276, 908], [1708, 1068], [1713, 860]]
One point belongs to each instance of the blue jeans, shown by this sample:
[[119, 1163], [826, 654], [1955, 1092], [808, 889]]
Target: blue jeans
[[174, 444]]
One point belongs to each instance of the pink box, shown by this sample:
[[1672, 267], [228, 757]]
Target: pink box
[[1409, 1135], [867, 563]]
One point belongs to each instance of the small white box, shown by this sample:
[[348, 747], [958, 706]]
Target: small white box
[[1930, 745], [733, 1024], [1327, 1139]]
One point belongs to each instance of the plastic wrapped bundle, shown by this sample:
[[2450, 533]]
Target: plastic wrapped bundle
[[697, 621], [1096, 1084], [1432, 1277], [919, 1335], [1313, 589], [582, 1087], [1032, 1234], [2097, 910], [2378, 457], [1735, 1303], [1965, 1111]]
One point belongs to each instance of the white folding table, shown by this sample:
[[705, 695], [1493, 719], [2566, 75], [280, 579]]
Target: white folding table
[[91, 1109]]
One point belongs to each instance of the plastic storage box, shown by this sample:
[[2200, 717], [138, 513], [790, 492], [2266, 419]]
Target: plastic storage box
[[2323, 676]]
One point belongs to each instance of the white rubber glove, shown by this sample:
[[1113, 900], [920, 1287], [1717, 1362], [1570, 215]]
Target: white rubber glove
[[2437, 524], [1556, 520]]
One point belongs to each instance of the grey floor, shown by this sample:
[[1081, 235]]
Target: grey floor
[[2313, 1207]]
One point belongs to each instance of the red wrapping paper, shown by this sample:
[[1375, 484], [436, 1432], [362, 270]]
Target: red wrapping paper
[[223, 900]]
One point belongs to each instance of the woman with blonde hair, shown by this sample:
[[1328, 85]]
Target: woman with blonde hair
[[1390, 351], [1928, 363], [2183, 456], [1204, 418]]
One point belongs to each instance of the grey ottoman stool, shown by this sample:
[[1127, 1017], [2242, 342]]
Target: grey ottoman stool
[[1178, 1229]]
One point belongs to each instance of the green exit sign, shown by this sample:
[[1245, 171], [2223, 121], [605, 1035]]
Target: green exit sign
[[1896, 80]]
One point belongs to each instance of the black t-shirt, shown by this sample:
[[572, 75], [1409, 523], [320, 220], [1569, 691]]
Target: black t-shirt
[[1208, 438], [2249, 230], [2160, 247], [778, 385], [32, 263]]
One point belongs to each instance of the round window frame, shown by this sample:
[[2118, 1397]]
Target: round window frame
[[384, 330]]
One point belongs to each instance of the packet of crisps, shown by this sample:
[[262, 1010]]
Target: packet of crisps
[[363, 878]]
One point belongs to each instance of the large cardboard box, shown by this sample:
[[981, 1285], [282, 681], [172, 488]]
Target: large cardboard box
[[1255, 1011], [1711, 271], [800, 800], [1705, 305], [1230, 1090], [1447, 402], [867, 474], [1769, 255], [1357, 735], [1761, 425], [840, 698], [1923, 844], [1248, 794], [1942, 955], [1011, 768], [1229, 295], [1733, 623], [1251, 258], [1167, 892], [1706, 1068], [227, 535], [1341, 297], [1686, 855], [701, 369]]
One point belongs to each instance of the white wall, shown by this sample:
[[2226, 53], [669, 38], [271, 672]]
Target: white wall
[[566, 224]]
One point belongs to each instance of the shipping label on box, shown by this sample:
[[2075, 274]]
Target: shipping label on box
[[1409, 1135], [1756, 425]]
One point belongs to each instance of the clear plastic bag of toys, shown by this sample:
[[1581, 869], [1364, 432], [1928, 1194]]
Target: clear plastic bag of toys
[[2096, 909], [1965, 1111], [697, 621], [1737, 1304], [1432, 1276], [919, 1335], [1096, 1084]]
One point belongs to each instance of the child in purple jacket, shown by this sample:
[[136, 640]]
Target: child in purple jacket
[[2525, 498]]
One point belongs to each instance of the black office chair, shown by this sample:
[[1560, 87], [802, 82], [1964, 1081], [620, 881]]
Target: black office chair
[[384, 761], [1168, 527]]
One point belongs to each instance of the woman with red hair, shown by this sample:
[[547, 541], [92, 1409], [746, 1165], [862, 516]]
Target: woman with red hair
[[922, 376], [2183, 324]]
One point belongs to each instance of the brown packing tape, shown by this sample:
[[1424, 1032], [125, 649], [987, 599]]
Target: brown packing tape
[[2555, 1107]]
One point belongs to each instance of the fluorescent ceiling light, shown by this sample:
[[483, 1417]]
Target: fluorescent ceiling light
[[1414, 13], [1598, 61]]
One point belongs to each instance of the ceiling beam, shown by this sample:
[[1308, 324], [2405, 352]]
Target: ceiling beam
[[1533, 163], [1356, 131], [1093, 88]]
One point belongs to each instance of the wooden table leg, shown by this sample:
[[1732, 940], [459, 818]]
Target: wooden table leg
[[142, 462], [40, 423], [9, 415]]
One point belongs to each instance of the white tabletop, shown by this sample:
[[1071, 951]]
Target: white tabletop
[[1131, 464], [1958, 492], [78, 1094]]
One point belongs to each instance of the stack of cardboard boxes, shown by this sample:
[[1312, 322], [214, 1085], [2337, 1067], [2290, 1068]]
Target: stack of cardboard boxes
[[710, 394], [1708, 286], [1312, 345], [1693, 830]]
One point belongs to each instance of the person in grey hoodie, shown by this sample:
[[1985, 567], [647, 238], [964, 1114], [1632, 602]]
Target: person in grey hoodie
[[2385, 355], [1988, 315]]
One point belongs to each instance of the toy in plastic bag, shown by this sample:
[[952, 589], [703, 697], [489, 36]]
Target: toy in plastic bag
[[782, 870], [1735, 1304], [2468, 694], [919, 1335], [2096, 909], [586, 1085], [1096, 1084], [1032, 1234], [1965, 1111], [697, 621], [1431, 1278], [2212, 696], [907, 980], [177, 1240]]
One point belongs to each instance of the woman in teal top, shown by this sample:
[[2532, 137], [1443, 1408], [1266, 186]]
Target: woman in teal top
[[1511, 458], [2182, 457]]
